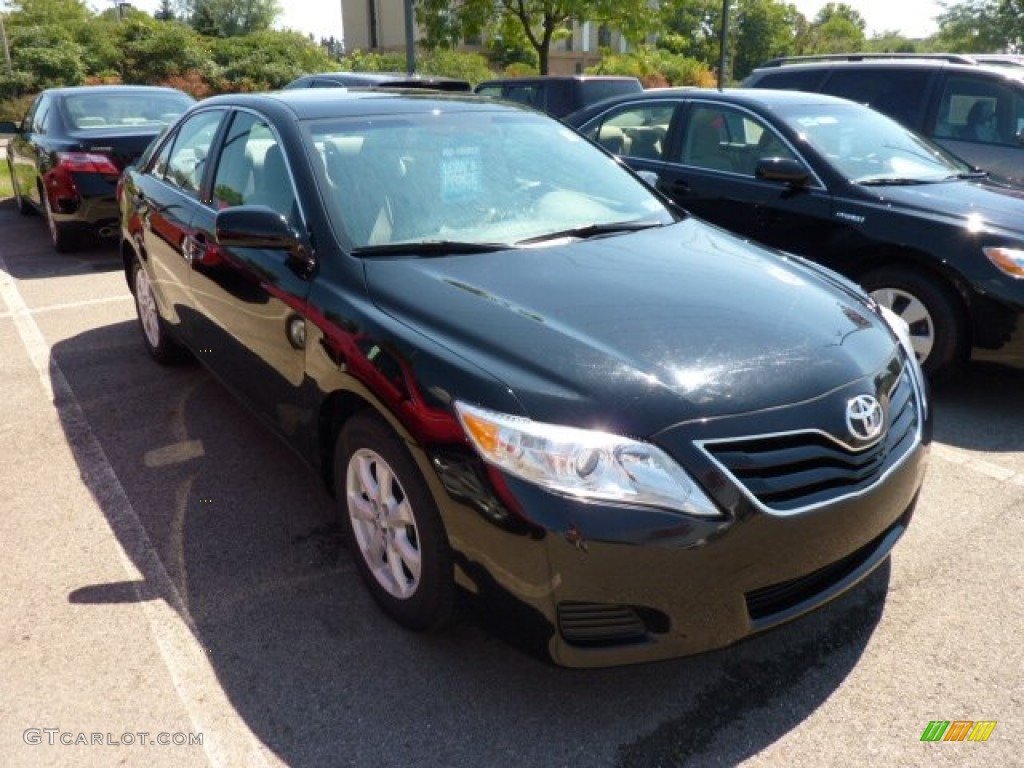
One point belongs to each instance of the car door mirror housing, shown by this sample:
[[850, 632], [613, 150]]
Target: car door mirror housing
[[255, 226], [258, 226], [7, 128], [784, 169]]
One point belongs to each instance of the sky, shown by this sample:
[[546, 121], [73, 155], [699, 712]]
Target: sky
[[913, 18]]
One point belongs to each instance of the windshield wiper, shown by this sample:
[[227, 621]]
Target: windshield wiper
[[430, 248], [970, 175], [885, 181], [593, 230]]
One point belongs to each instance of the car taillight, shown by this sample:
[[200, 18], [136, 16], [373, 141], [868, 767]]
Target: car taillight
[[87, 162]]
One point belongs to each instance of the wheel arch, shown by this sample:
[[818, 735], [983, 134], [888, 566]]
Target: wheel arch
[[335, 412], [893, 257]]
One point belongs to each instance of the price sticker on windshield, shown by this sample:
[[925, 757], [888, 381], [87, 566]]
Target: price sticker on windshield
[[461, 170]]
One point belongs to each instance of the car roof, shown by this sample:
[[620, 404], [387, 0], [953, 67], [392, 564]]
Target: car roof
[[949, 63], [100, 89], [556, 78], [318, 103]]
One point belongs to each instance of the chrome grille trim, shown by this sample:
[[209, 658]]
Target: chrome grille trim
[[904, 421]]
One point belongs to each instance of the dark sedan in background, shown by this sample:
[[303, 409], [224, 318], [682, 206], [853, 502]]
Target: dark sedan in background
[[68, 152], [839, 183], [521, 372]]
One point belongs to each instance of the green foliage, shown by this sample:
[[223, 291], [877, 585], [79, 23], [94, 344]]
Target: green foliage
[[763, 30], [233, 18], [534, 23], [691, 28], [152, 51], [837, 28], [977, 26], [655, 67], [890, 42], [465, 66], [267, 60], [362, 61]]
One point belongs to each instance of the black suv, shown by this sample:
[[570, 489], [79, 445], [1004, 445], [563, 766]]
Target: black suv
[[973, 106], [842, 184], [559, 95]]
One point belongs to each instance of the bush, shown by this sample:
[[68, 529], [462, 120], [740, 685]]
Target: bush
[[655, 68]]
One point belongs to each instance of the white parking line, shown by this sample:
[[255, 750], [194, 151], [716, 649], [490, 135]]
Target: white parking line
[[68, 305], [981, 466], [177, 638]]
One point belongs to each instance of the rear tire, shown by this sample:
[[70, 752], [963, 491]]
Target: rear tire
[[939, 326], [392, 526], [63, 238]]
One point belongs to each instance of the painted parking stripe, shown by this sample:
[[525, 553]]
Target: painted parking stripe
[[226, 742], [981, 466], [67, 305]]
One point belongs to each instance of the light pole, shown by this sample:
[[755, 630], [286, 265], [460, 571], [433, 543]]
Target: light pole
[[724, 44], [410, 42]]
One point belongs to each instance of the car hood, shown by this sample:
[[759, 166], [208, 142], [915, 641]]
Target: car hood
[[639, 332], [979, 205]]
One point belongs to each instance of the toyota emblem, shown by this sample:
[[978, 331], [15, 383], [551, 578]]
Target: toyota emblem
[[864, 417]]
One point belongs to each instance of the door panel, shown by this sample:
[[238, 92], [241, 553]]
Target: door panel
[[167, 198], [712, 174], [252, 301]]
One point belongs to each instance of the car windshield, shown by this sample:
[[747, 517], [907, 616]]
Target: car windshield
[[105, 109], [868, 147], [473, 178]]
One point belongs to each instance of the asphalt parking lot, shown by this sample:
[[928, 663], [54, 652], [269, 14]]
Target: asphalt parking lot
[[170, 569]]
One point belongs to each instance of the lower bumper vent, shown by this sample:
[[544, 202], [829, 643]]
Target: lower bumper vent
[[599, 624]]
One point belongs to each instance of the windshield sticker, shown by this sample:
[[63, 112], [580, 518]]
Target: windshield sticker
[[461, 169]]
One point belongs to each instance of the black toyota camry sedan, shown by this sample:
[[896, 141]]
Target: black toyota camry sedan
[[844, 185], [68, 152], [523, 373]]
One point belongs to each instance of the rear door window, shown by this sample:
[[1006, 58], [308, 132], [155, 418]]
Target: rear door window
[[635, 130]]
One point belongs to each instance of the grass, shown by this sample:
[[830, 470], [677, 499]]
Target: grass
[[5, 180]]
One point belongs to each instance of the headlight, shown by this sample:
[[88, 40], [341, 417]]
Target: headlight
[[1008, 260], [589, 465], [902, 330]]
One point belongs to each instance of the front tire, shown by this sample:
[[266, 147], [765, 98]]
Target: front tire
[[159, 344], [939, 328], [392, 526]]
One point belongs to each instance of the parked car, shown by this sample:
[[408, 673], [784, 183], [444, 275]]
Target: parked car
[[67, 154], [521, 371], [971, 105], [558, 95], [848, 187], [379, 80]]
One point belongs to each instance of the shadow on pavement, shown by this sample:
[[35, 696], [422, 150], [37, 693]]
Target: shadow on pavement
[[30, 256], [982, 409], [246, 533]]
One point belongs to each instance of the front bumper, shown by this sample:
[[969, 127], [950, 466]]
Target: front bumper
[[594, 585]]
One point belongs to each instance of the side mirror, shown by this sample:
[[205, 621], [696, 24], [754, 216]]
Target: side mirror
[[8, 128], [257, 226], [783, 169]]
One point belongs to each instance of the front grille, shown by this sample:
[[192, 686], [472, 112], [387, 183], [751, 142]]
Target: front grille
[[797, 470], [597, 624]]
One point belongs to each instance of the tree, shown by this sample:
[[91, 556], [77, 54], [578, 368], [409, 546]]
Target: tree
[[165, 12], [763, 30], [232, 18], [267, 60], [540, 21], [837, 28], [692, 29], [975, 26]]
